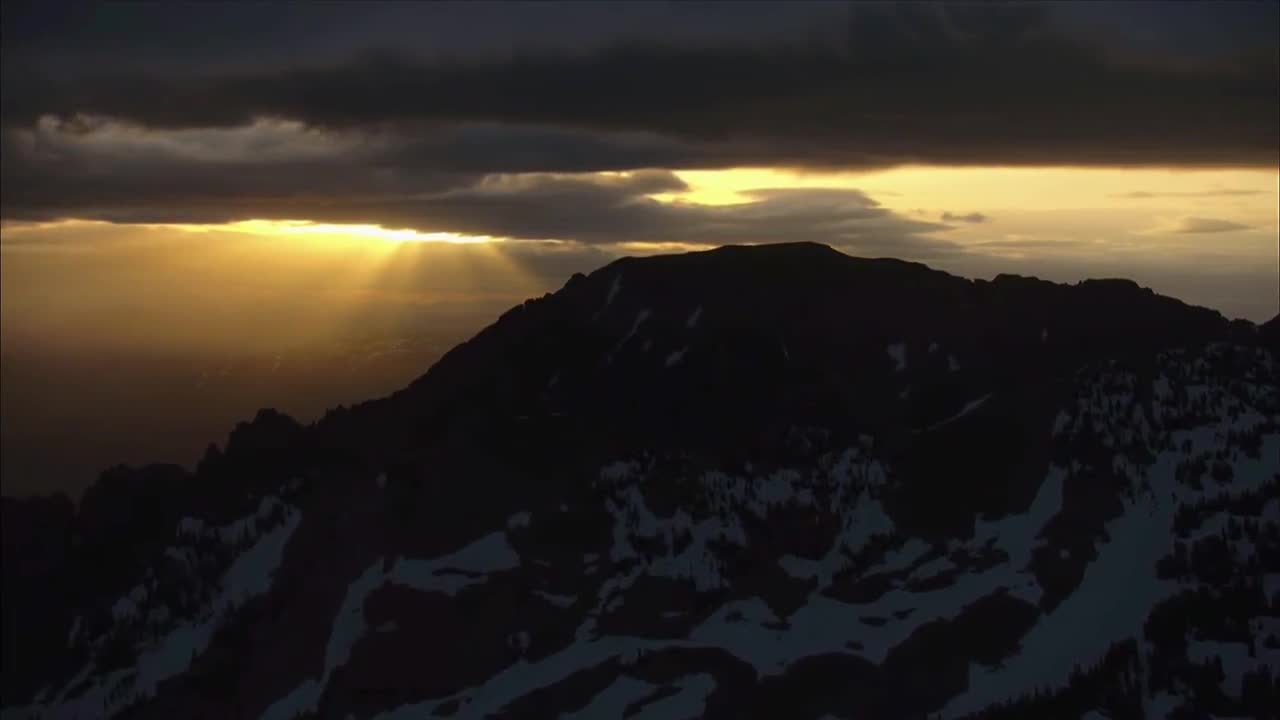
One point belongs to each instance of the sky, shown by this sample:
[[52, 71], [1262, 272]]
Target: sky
[[208, 178]]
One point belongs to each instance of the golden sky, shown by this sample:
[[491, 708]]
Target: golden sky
[[1136, 208], [1205, 236], [177, 178]]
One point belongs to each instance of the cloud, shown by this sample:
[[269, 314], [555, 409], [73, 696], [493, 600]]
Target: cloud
[[1019, 242], [596, 210], [1194, 225], [108, 171], [1206, 225], [890, 84], [1146, 195], [270, 171], [969, 218], [556, 139]]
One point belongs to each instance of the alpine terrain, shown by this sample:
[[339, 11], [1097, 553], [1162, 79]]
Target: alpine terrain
[[756, 482]]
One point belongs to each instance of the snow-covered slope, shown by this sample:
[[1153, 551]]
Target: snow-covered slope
[[1013, 511]]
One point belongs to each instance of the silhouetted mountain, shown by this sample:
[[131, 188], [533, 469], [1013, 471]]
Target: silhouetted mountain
[[1270, 332], [769, 481]]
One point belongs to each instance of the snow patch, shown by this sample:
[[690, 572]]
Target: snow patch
[[1137, 540], [242, 529], [752, 632], [560, 601], [687, 704], [448, 574], [1235, 661], [74, 633], [968, 408], [1060, 422], [523, 677], [451, 573], [933, 568], [124, 609], [519, 520], [519, 641], [900, 558], [692, 322], [898, 351], [612, 702], [1016, 534], [249, 575], [188, 526], [613, 293], [635, 327]]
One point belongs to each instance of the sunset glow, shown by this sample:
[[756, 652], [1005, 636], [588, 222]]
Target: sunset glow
[[338, 232], [1003, 188], [180, 180]]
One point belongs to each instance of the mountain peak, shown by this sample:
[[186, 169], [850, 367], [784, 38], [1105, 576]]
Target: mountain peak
[[697, 483], [1269, 331]]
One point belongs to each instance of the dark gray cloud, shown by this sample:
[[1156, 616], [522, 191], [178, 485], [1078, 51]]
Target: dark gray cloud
[[1206, 225], [876, 85], [592, 212], [263, 33], [267, 33], [121, 174], [964, 218], [281, 170], [586, 208], [422, 115]]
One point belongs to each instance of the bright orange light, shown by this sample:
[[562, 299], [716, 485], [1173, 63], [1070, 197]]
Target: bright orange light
[[333, 231]]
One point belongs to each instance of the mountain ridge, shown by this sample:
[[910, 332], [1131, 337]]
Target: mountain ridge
[[753, 362]]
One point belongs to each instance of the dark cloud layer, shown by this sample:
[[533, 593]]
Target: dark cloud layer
[[114, 174], [590, 210], [593, 212], [397, 113], [910, 82]]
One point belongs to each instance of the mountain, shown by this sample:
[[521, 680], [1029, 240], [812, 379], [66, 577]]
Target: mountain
[[1270, 332], [770, 481]]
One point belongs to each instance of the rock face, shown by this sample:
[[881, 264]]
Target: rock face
[[753, 482]]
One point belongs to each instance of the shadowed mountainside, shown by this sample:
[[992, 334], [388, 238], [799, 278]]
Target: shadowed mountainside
[[751, 482]]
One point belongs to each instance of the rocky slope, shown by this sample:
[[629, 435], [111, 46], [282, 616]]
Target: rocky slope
[[753, 482]]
